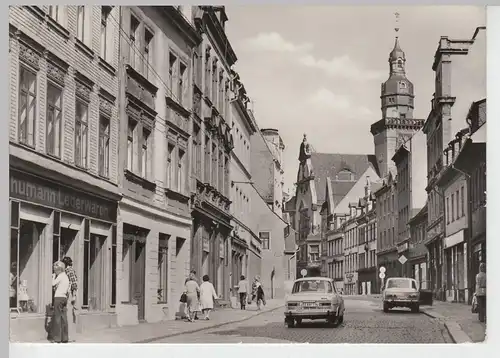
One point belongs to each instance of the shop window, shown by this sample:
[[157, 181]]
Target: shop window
[[26, 252], [163, 268]]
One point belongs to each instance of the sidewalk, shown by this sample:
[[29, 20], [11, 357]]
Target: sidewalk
[[462, 324], [149, 332]]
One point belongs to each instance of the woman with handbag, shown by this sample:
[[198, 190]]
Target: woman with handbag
[[192, 291]]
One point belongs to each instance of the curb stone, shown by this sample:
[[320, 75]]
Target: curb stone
[[456, 333], [153, 339]]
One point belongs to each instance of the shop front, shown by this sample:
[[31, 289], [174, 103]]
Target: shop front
[[456, 267], [351, 283], [389, 261], [211, 251], [50, 220], [154, 259], [368, 281]]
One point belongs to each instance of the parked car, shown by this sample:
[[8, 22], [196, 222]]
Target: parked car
[[401, 292], [314, 298]]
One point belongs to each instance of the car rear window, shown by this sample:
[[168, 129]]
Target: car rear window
[[401, 283], [312, 286]]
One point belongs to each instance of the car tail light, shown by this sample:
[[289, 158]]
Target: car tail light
[[413, 295]]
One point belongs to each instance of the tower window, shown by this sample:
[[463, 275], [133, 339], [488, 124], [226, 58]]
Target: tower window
[[403, 85], [400, 64]]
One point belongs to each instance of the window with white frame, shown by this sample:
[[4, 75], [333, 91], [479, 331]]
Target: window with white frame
[[54, 119], [27, 106], [106, 40], [148, 39], [163, 268], [314, 253], [144, 153], [197, 150], [134, 58], [56, 12], [181, 171], [103, 160], [130, 144], [172, 74], [81, 133], [169, 182], [183, 91], [80, 23], [264, 237]]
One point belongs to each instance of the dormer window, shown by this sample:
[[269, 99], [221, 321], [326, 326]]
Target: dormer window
[[345, 175], [403, 85]]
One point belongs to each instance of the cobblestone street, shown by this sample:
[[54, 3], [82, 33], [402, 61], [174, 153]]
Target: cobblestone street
[[364, 323]]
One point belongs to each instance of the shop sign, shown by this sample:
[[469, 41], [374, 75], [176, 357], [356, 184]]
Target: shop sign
[[454, 239], [221, 249], [206, 244], [403, 248], [44, 192]]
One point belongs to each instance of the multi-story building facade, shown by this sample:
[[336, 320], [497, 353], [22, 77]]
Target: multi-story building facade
[[387, 211], [351, 257], [410, 160], [334, 243], [345, 174], [453, 184], [214, 250], [367, 246], [243, 128], [471, 160], [63, 151], [438, 129], [154, 242], [417, 252], [395, 127], [278, 249]]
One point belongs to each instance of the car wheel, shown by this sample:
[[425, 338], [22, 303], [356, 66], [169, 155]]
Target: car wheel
[[386, 307], [290, 323], [298, 321], [416, 308]]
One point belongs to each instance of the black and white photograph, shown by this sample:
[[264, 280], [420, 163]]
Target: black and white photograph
[[247, 173]]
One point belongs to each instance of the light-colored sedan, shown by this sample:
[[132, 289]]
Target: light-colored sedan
[[401, 292], [314, 298]]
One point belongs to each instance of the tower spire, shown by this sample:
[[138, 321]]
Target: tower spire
[[396, 25]]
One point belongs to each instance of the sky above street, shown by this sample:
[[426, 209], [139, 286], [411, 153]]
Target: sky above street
[[318, 69]]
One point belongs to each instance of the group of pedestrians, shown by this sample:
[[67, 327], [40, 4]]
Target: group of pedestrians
[[65, 288], [257, 293], [198, 297], [201, 297]]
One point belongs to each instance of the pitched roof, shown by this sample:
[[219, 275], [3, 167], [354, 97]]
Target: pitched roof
[[329, 165]]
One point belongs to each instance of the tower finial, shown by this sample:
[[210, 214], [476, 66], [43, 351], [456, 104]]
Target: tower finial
[[396, 26]]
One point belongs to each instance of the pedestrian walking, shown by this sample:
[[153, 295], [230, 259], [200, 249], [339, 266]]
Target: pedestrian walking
[[258, 292], [481, 292], [192, 291], [60, 283], [73, 293], [243, 291], [207, 297], [193, 274]]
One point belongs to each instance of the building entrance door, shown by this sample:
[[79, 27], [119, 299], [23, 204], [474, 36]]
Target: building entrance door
[[138, 278]]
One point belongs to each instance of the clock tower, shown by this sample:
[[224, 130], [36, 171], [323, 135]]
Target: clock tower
[[397, 101]]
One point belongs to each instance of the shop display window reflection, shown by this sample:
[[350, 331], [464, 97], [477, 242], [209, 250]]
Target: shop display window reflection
[[93, 273], [26, 265]]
